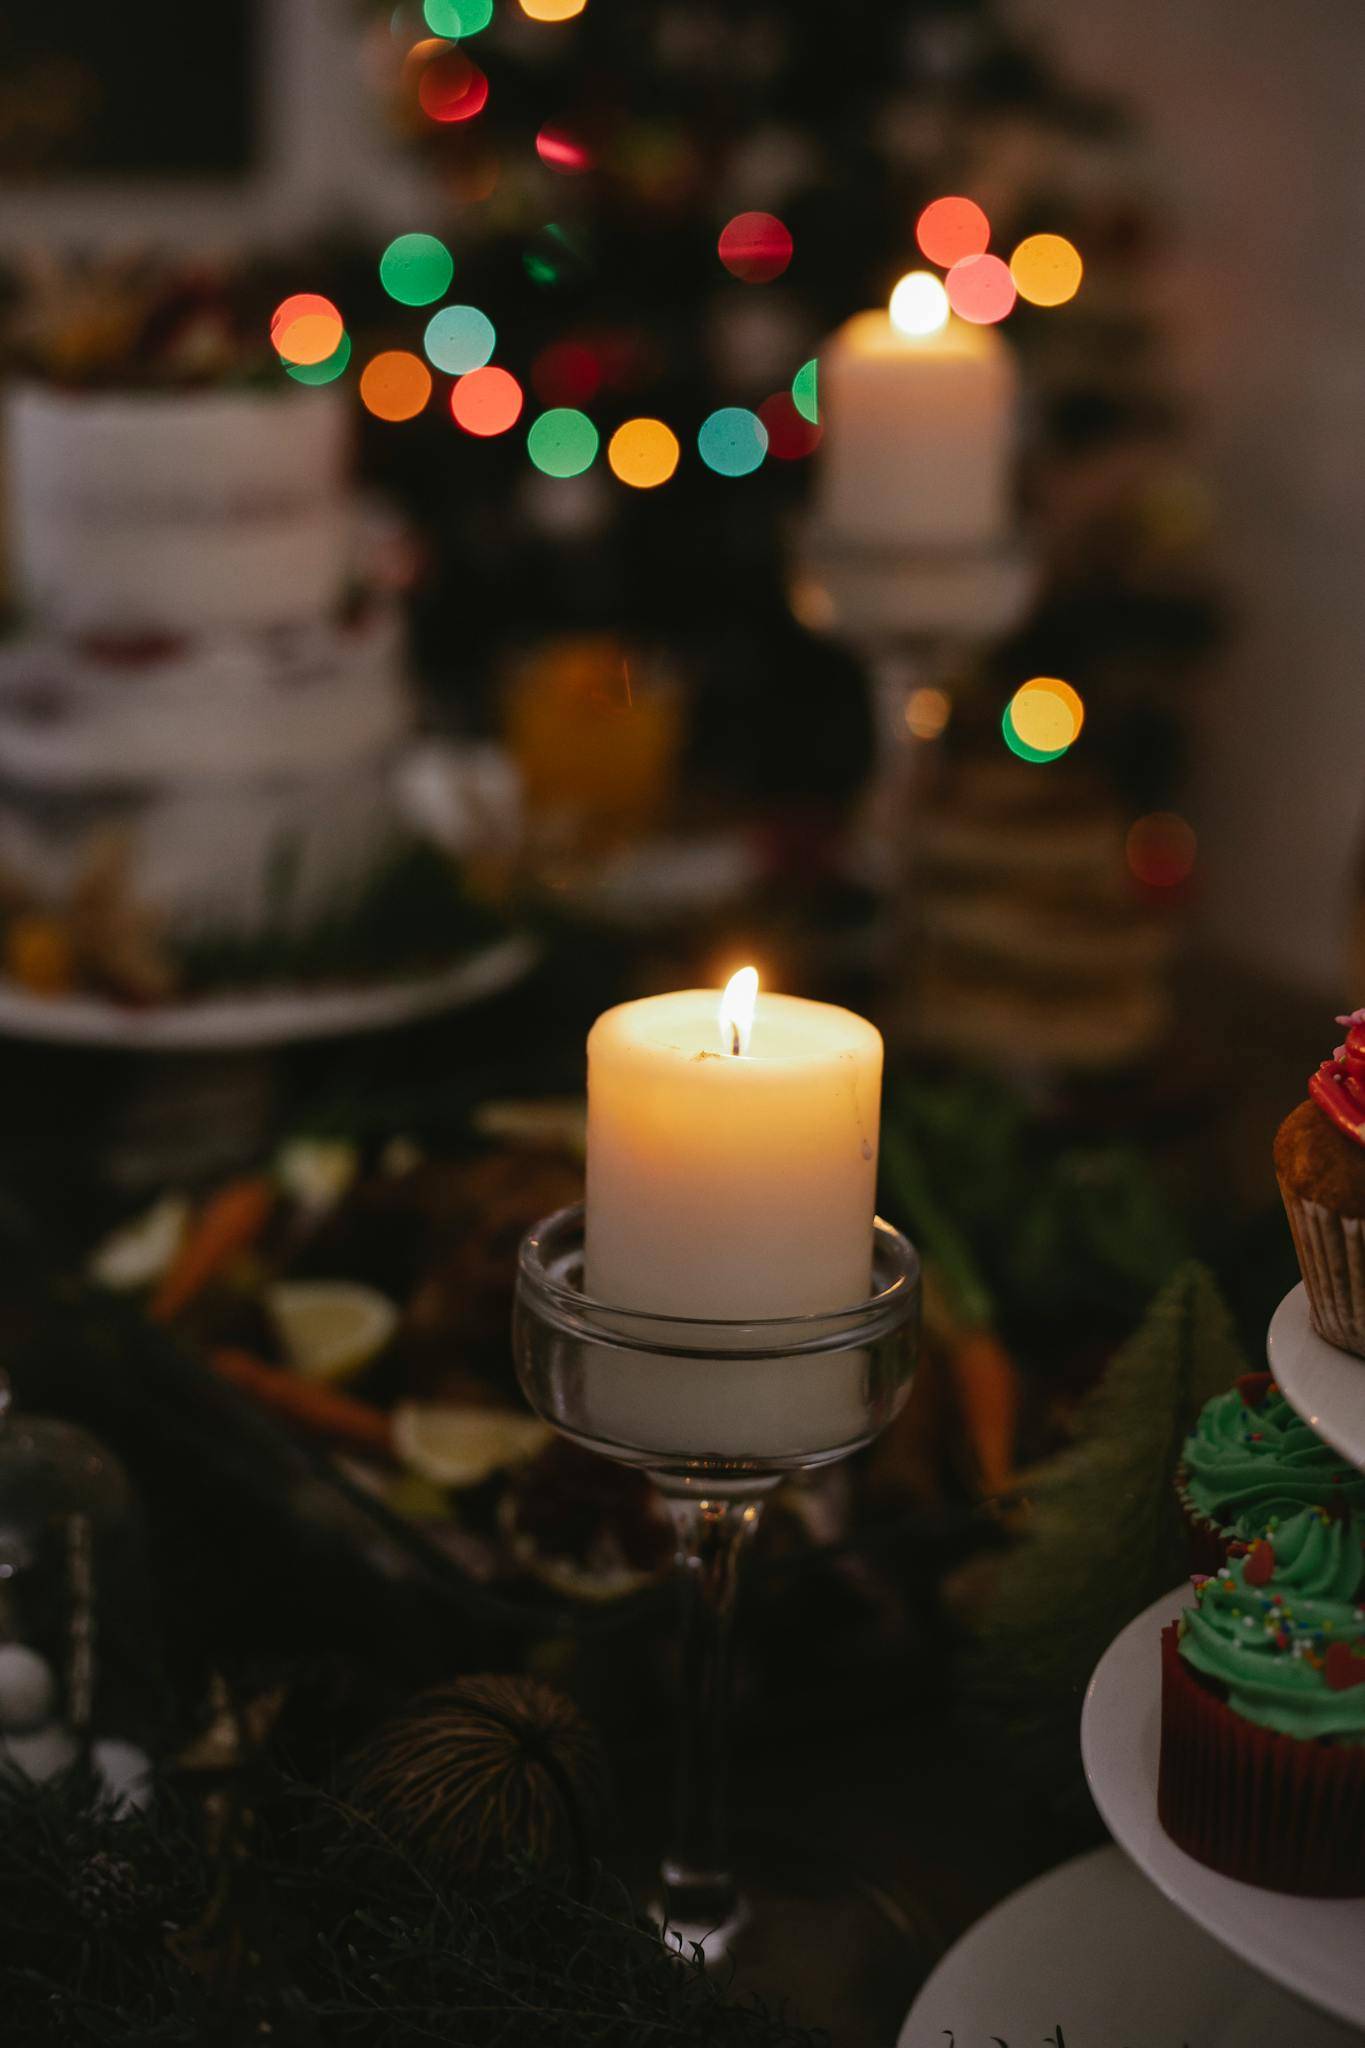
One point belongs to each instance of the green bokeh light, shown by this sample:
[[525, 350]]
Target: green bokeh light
[[457, 18], [1022, 747], [804, 396], [325, 372], [562, 442], [733, 441], [415, 269], [459, 339]]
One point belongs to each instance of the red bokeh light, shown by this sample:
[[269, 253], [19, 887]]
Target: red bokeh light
[[567, 373], [1162, 850], [755, 247], [980, 289], [949, 229], [451, 88], [790, 434], [305, 328], [486, 402], [559, 149]]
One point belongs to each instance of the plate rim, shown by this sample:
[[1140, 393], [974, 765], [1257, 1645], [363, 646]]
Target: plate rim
[[273, 1017], [1315, 1377], [1076, 1871]]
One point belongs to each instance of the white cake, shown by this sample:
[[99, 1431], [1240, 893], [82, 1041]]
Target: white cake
[[199, 745], [173, 511], [919, 438]]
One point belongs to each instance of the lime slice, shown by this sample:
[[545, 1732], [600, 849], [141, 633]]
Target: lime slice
[[461, 1446], [330, 1328], [139, 1252]]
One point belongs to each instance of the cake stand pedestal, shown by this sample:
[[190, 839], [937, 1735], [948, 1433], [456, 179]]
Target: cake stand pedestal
[[913, 616], [199, 1094]]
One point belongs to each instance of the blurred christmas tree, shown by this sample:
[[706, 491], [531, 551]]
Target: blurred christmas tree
[[585, 160]]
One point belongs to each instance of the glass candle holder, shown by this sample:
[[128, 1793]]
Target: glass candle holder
[[717, 1413]]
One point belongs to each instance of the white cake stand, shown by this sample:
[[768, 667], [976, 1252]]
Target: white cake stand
[[1313, 1947], [1326, 1385], [1077, 1948], [272, 1018]]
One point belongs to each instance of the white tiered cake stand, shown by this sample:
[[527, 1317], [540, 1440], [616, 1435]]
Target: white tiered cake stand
[[1162, 1945], [1314, 1947]]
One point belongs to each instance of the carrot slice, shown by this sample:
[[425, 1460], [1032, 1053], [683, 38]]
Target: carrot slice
[[988, 1389], [319, 1409], [230, 1221]]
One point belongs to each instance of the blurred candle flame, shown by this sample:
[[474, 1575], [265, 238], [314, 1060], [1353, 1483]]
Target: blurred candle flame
[[919, 304], [737, 1010]]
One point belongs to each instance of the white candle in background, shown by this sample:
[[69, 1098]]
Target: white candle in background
[[732, 1166], [918, 409]]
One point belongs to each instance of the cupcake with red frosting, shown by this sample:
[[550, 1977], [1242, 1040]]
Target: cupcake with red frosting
[[1320, 1162]]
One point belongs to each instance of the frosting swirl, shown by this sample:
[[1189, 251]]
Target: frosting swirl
[[1338, 1086], [1281, 1628], [1250, 1457]]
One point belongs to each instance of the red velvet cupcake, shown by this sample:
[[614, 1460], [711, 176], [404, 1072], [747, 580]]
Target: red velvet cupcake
[[1320, 1163]]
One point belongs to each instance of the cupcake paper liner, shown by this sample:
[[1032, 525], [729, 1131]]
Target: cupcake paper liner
[[1252, 1804], [1206, 1541], [1331, 1251]]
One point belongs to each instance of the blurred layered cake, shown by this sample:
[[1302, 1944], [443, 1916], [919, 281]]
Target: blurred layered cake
[[202, 710], [1039, 951]]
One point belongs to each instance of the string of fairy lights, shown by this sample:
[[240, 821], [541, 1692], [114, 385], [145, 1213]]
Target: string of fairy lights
[[1043, 718], [754, 247]]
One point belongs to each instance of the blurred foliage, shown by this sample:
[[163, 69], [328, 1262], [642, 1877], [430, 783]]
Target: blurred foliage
[[298, 1922], [1097, 1533]]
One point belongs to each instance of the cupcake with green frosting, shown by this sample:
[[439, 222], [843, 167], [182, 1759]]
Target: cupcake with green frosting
[[1251, 1458], [1263, 1711]]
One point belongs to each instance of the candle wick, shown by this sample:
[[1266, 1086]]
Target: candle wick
[[734, 1040]]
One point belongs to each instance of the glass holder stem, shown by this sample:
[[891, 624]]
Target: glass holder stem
[[712, 1532]]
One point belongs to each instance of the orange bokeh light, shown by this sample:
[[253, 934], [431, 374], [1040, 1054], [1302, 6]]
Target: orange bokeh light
[[306, 328], [486, 402], [553, 10], [927, 711], [643, 453], [949, 229], [395, 385]]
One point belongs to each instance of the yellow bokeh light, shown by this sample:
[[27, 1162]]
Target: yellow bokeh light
[[1047, 714], [643, 453], [927, 712], [919, 304], [1047, 270], [553, 10]]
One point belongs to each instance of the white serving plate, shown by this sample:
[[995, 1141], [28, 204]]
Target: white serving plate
[[1313, 1947], [274, 1017], [1326, 1385], [1094, 1948]]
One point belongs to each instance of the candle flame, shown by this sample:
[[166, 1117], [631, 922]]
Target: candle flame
[[737, 1010], [919, 304]]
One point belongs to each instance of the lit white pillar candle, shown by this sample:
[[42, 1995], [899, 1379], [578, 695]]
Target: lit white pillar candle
[[732, 1154], [918, 409]]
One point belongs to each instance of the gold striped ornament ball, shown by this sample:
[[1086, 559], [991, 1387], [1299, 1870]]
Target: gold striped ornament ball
[[483, 1774]]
